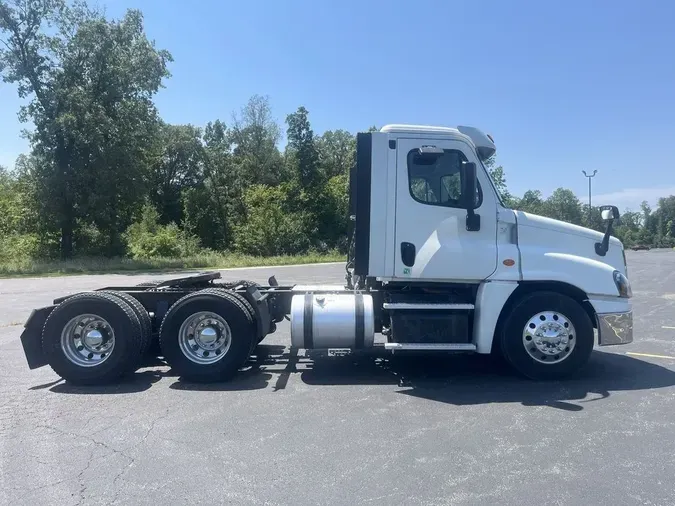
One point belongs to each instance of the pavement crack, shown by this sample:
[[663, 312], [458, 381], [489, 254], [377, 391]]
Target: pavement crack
[[47, 485], [83, 436]]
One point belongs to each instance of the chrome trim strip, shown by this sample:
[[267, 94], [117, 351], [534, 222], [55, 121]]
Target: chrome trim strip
[[430, 346], [407, 305]]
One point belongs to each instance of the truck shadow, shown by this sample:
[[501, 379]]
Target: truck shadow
[[451, 379], [253, 376], [471, 380], [153, 370], [136, 383]]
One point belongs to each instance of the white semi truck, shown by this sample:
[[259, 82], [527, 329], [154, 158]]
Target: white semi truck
[[437, 263]]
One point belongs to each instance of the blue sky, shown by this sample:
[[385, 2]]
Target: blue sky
[[562, 86]]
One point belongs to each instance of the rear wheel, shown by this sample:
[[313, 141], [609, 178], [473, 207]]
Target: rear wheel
[[143, 318], [247, 283], [207, 335], [92, 338], [547, 335], [249, 308]]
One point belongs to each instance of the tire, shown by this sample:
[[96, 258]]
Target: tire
[[570, 328], [257, 285], [250, 310], [247, 283], [195, 361], [143, 318], [60, 341]]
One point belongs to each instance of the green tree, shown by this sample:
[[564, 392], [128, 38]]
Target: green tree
[[89, 84], [254, 136], [302, 150], [19, 225], [499, 179], [563, 205], [147, 238], [224, 187], [10, 206], [335, 198], [272, 226], [177, 166], [212, 207], [596, 222], [337, 152], [531, 202]]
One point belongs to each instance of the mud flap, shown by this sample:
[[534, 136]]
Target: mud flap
[[31, 338]]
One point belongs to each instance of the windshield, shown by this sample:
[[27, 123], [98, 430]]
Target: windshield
[[492, 183]]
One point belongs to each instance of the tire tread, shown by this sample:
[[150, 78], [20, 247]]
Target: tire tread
[[128, 364], [207, 373], [511, 346], [143, 318]]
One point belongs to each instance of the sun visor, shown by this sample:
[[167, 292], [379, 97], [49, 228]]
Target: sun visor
[[483, 142]]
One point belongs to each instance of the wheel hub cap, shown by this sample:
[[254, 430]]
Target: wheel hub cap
[[207, 336], [204, 337], [93, 338], [87, 340], [549, 337]]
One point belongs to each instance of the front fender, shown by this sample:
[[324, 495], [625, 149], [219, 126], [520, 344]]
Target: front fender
[[591, 276]]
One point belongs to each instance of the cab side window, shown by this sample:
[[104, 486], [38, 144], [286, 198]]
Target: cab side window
[[438, 182]]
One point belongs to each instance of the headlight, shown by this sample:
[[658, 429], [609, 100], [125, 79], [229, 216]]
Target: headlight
[[623, 285]]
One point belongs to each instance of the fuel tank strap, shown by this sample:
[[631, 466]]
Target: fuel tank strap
[[360, 323], [307, 317]]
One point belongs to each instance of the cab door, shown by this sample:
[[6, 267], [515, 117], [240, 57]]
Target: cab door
[[433, 242]]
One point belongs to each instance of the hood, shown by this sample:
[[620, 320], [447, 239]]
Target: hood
[[549, 224], [539, 235]]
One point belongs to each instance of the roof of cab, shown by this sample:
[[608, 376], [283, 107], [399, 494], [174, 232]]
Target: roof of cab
[[483, 143], [400, 128]]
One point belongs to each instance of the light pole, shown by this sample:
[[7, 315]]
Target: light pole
[[589, 193]]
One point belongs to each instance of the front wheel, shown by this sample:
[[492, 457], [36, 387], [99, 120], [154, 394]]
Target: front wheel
[[546, 336]]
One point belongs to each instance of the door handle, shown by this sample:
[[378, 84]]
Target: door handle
[[408, 254]]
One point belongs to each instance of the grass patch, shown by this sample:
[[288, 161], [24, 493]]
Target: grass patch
[[212, 260]]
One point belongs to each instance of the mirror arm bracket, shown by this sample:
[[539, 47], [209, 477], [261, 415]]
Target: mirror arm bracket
[[601, 248]]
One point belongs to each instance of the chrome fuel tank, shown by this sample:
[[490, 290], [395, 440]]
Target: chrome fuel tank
[[332, 320]]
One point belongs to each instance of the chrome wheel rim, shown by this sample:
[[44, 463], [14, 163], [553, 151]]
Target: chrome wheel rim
[[87, 340], [549, 337], [204, 338]]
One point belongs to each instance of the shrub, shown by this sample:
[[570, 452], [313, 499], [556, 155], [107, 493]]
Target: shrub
[[90, 240], [271, 227], [333, 214], [21, 247], [148, 239]]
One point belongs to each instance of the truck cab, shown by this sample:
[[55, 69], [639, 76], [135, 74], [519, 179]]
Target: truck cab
[[428, 218]]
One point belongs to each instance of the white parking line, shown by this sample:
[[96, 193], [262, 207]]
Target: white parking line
[[667, 327], [649, 355]]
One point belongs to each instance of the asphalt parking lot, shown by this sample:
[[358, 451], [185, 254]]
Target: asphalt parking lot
[[345, 430]]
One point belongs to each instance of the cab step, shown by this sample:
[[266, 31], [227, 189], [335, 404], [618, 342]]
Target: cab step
[[413, 306], [430, 346]]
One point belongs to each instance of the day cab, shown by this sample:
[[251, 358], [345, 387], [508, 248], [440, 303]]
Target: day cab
[[429, 220], [436, 263]]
